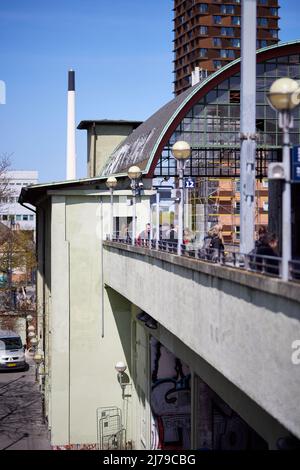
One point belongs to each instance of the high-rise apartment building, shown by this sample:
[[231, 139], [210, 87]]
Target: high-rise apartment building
[[208, 35]]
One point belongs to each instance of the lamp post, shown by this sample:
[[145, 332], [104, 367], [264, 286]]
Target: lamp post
[[111, 183], [284, 97], [34, 342], [181, 151], [248, 125], [134, 173], [29, 319]]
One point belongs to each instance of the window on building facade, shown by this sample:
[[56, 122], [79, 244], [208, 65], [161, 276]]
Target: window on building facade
[[265, 183], [4, 217], [214, 123], [203, 30], [274, 33], [274, 11], [217, 42], [217, 64], [31, 217], [203, 52], [217, 19], [237, 207], [227, 54], [262, 22], [236, 42], [25, 217], [227, 31], [265, 206], [260, 125], [18, 217], [234, 96], [203, 8], [227, 9], [236, 20], [260, 43]]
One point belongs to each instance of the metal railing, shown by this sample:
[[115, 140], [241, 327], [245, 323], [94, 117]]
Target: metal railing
[[294, 270], [267, 265]]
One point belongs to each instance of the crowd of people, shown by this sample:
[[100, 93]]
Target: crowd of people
[[264, 257], [265, 254]]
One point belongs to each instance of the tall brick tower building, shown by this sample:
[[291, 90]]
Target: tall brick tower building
[[208, 35]]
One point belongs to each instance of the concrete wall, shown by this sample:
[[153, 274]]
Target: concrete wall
[[255, 416], [86, 329], [242, 324], [233, 329], [102, 142]]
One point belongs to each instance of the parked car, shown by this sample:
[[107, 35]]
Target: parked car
[[12, 351]]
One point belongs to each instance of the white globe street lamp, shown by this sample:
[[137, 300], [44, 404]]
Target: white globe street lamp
[[181, 151], [111, 183], [120, 367], [34, 341], [134, 173], [122, 377], [284, 96], [38, 358]]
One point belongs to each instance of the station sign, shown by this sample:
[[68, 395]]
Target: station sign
[[295, 173], [190, 183]]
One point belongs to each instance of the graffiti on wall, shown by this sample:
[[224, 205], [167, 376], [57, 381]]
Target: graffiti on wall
[[219, 427], [170, 400]]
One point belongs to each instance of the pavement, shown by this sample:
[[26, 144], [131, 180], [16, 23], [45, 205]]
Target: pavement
[[22, 426]]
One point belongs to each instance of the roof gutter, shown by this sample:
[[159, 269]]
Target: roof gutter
[[26, 207]]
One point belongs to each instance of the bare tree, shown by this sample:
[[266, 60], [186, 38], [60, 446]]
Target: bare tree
[[17, 253], [17, 250], [5, 163]]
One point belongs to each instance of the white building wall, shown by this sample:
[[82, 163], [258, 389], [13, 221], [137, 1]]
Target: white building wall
[[12, 214]]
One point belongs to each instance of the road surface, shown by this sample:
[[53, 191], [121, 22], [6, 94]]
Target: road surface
[[21, 422]]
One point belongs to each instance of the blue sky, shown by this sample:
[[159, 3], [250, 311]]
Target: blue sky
[[121, 52]]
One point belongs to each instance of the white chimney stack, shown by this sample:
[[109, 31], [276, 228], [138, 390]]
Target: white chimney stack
[[71, 139]]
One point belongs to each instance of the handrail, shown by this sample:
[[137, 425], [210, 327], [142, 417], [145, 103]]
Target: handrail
[[254, 262]]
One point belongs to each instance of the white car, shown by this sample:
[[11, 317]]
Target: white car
[[12, 351]]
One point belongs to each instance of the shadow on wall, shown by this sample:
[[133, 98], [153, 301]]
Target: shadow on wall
[[121, 309], [209, 276]]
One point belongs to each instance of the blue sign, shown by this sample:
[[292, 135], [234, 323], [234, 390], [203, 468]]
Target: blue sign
[[190, 183], [295, 176]]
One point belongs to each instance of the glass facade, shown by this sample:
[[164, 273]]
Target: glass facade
[[212, 125]]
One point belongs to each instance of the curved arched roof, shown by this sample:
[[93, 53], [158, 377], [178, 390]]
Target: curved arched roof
[[145, 144]]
